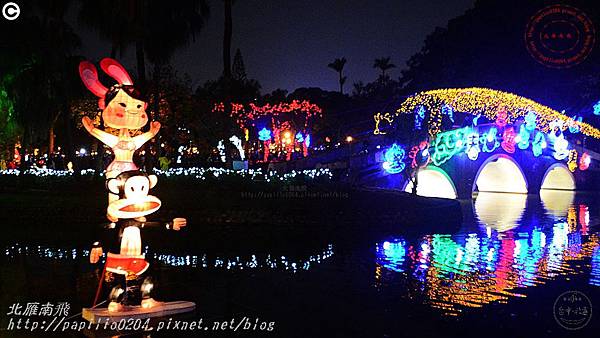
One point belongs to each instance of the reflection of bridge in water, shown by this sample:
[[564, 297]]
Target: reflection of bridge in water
[[469, 140], [512, 250]]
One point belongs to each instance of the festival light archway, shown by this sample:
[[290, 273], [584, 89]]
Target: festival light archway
[[433, 182], [480, 102], [500, 173], [558, 177]]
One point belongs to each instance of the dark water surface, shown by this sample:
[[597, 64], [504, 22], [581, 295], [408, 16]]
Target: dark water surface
[[498, 276]]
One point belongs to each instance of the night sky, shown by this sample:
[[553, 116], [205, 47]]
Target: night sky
[[289, 45]]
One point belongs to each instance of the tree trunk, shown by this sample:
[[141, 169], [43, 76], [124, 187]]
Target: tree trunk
[[141, 63], [341, 84], [51, 140], [227, 40]]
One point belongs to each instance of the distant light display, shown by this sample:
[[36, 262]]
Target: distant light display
[[264, 134]]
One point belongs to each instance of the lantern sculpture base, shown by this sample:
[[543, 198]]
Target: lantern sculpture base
[[102, 315]]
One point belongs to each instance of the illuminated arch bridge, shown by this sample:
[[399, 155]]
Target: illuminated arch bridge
[[477, 139]]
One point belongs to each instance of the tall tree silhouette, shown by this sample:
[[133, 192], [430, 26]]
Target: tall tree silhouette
[[227, 32], [384, 65], [238, 69], [156, 28], [338, 66]]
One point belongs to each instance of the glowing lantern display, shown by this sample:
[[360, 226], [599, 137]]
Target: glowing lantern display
[[394, 159], [489, 140], [501, 118], [237, 142], [122, 110], [523, 138], [574, 127], [508, 140], [419, 117], [129, 198], [264, 134], [538, 144], [572, 162], [561, 146], [584, 161], [473, 148], [530, 121]]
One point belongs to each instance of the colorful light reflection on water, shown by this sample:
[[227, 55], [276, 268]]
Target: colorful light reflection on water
[[507, 251]]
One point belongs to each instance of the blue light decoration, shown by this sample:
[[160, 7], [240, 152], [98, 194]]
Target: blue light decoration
[[573, 127], [523, 138], [394, 157], [473, 148], [307, 140], [391, 254], [299, 137], [539, 144], [597, 108], [561, 146], [489, 141], [530, 121], [264, 134], [447, 110], [419, 117], [476, 120], [595, 272]]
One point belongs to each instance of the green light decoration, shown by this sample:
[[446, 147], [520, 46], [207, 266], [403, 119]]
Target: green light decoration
[[448, 144]]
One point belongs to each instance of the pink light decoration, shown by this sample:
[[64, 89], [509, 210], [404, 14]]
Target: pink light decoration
[[584, 161], [508, 142], [266, 150], [501, 118]]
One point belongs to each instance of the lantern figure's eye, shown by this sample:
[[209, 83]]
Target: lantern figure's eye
[[132, 189], [139, 106], [122, 104]]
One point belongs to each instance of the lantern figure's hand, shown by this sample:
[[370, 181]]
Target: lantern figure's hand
[[95, 254], [154, 127], [87, 124], [179, 223]]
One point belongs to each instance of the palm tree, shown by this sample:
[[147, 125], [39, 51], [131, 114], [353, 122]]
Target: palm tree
[[383, 64], [156, 28], [338, 66]]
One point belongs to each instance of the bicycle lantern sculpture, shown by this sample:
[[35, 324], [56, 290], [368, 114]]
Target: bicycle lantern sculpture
[[129, 198]]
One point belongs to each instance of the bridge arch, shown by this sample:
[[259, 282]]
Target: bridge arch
[[433, 182], [500, 173], [558, 177]]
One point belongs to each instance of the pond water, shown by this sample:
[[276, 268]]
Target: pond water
[[498, 276]]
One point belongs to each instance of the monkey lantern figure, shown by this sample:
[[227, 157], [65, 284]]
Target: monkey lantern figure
[[129, 198]]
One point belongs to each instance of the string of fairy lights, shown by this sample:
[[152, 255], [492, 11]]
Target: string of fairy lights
[[200, 261], [485, 102], [195, 172]]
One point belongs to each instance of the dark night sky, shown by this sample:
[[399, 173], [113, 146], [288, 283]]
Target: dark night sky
[[289, 45]]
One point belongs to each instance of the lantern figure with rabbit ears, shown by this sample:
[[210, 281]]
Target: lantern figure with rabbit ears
[[122, 109]]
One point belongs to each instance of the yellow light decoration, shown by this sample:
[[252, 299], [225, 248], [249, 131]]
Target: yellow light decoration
[[484, 101], [572, 163]]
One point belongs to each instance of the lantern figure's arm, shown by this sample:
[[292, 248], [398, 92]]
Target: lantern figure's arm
[[104, 137], [175, 224], [145, 137]]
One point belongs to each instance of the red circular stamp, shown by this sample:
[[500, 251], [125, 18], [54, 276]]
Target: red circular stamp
[[559, 36]]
